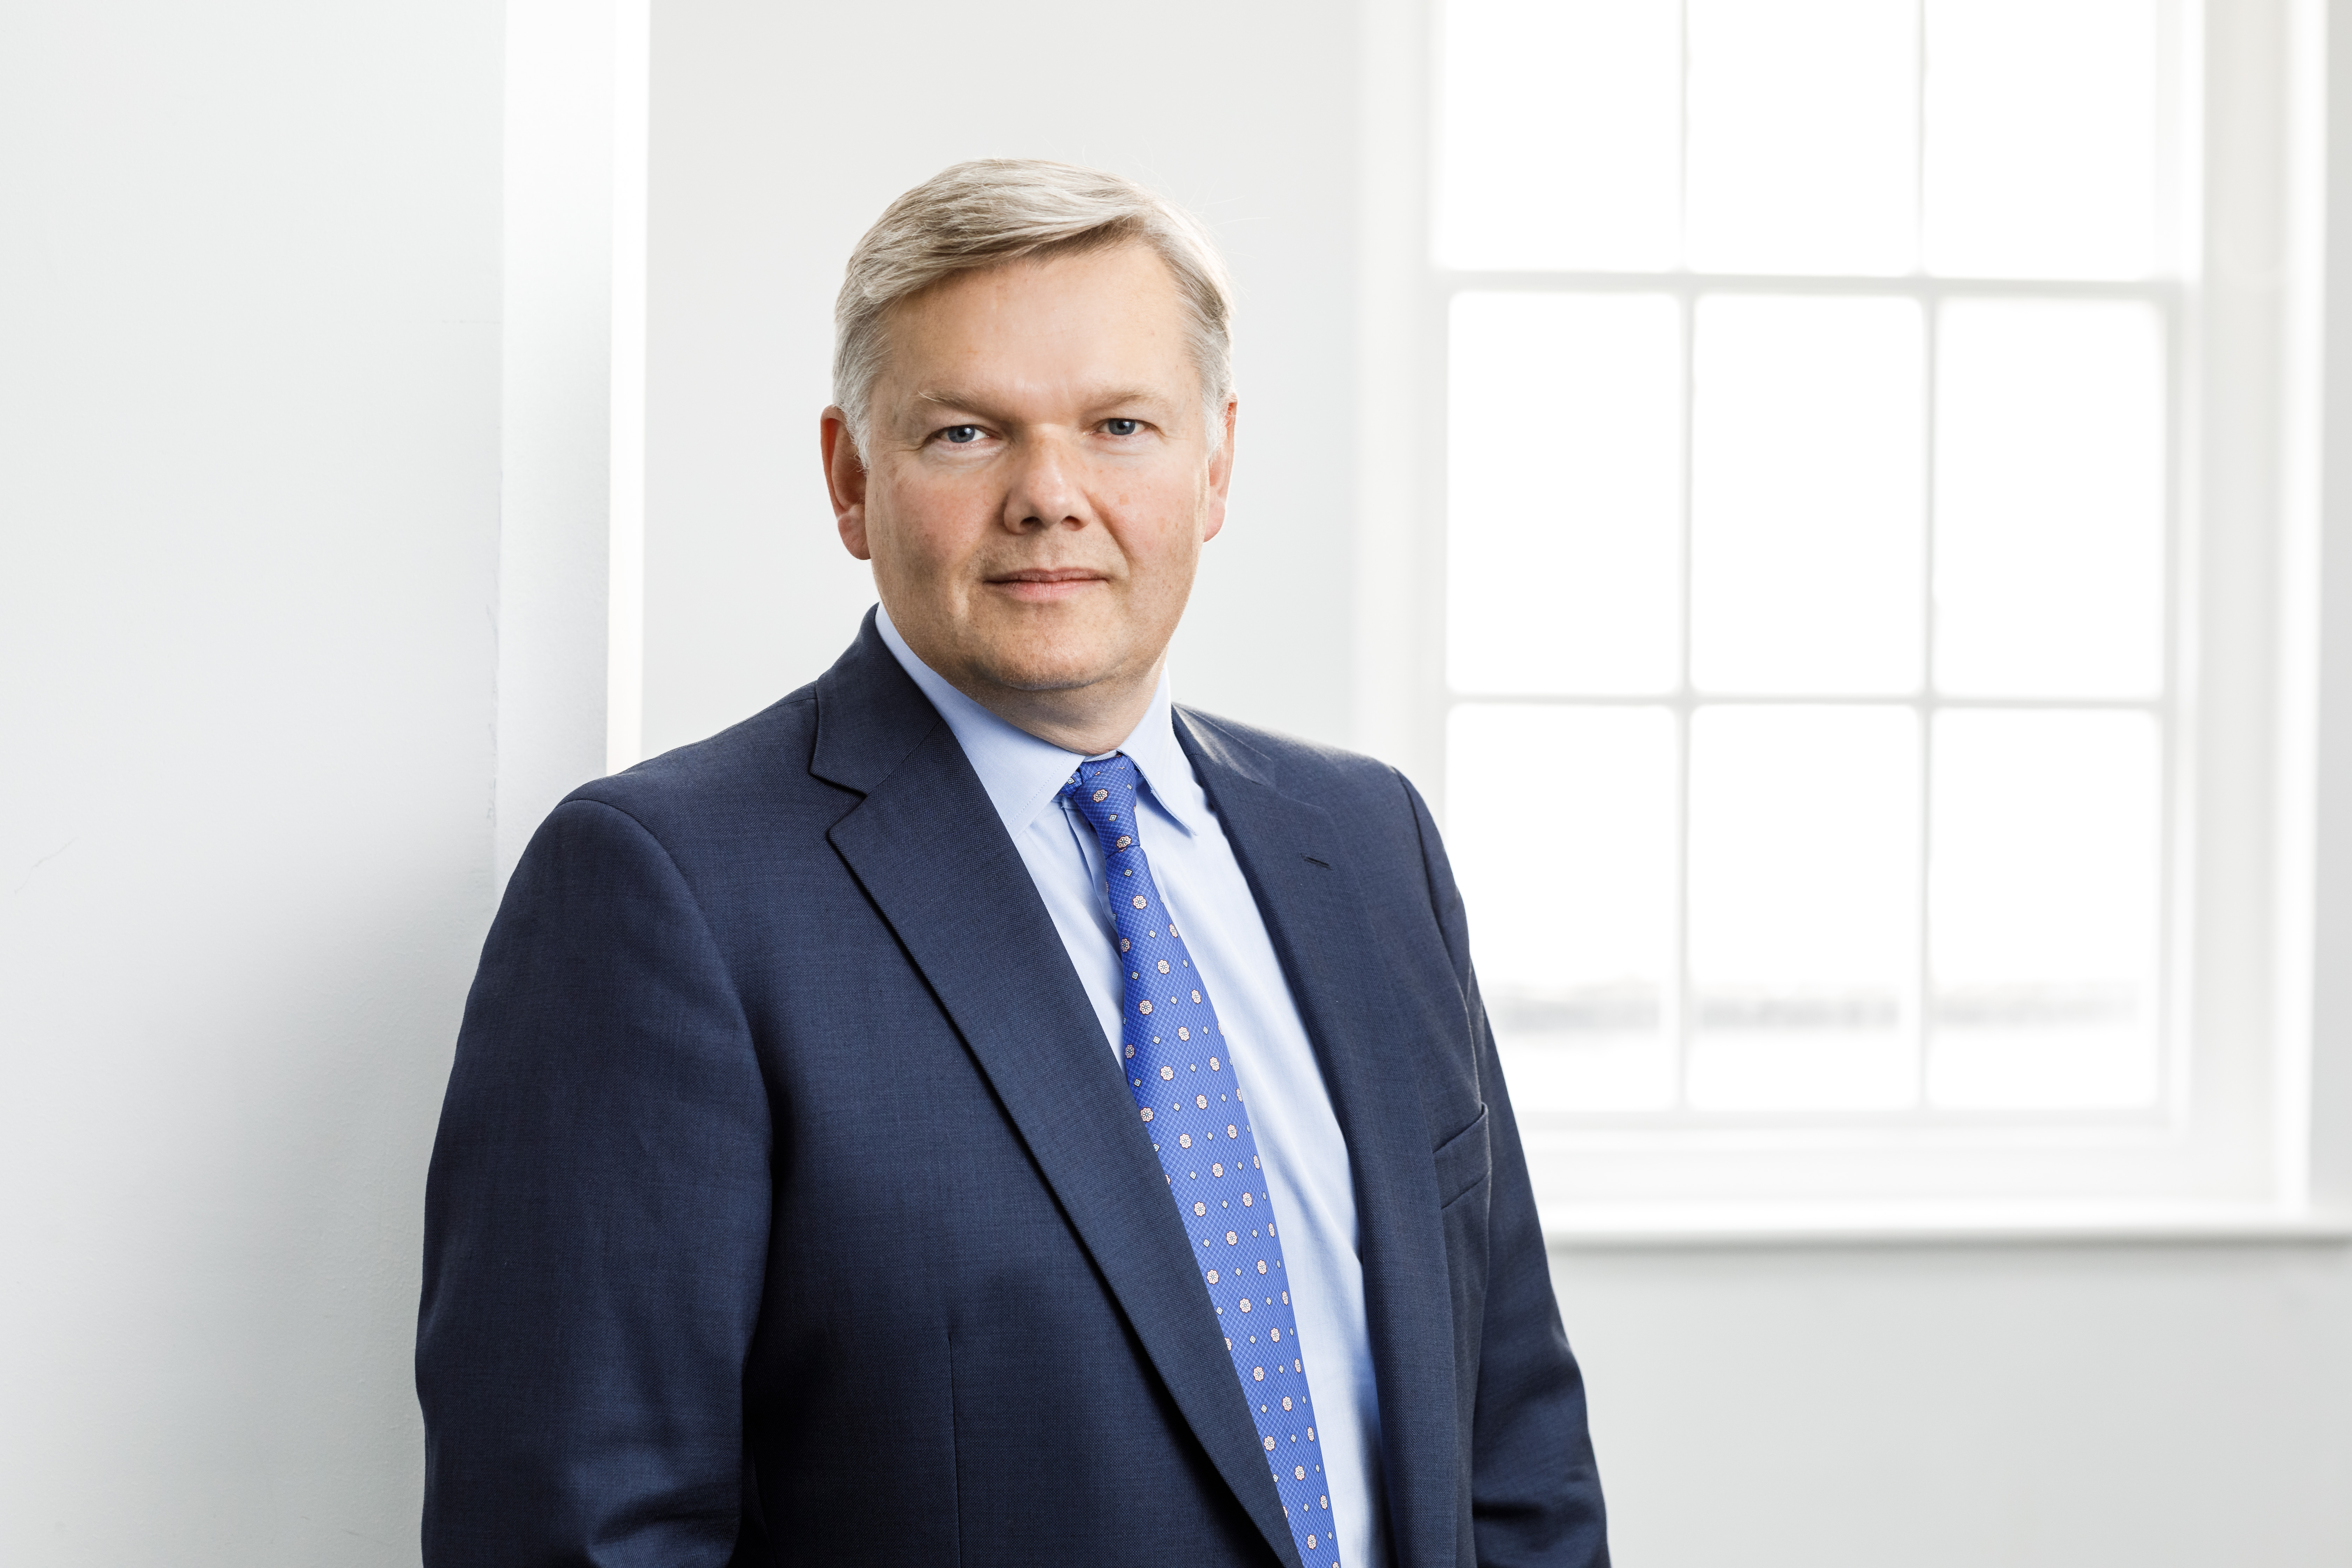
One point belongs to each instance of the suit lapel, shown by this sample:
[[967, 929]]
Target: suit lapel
[[1298, 866], [929, 850]]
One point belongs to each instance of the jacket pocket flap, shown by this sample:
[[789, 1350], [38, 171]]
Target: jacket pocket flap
[[1462, 1161]]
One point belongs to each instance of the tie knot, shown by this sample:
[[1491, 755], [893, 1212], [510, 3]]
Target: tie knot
[[1104, 792]]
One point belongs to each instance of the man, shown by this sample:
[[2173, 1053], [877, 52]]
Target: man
[[974, 1111]]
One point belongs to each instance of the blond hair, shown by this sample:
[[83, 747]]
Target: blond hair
[[992, 210]]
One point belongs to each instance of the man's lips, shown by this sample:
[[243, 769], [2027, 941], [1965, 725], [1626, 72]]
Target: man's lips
[[1046, 584]]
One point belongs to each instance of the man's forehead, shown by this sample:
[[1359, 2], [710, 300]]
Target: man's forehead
[[1080, 333], [1115, 300]]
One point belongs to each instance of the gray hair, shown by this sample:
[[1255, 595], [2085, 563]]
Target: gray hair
[[992, 211]]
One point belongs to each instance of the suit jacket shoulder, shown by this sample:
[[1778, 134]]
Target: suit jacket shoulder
[[706, 781]]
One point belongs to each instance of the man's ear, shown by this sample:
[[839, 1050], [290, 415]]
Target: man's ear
[[1221, 475], [845, 480]]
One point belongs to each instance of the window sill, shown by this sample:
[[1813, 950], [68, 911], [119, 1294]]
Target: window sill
[[1661, 1227]]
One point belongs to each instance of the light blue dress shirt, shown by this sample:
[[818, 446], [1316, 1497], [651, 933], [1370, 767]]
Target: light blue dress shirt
[[1297, 1135]]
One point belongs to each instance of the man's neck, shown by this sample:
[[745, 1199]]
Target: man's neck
[[1088, 720]]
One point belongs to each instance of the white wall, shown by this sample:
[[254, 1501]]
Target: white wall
[[2068, 1406], [249, 509], [2101, 1407]]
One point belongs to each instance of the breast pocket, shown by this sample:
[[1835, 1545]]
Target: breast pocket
[[1464, 1162]]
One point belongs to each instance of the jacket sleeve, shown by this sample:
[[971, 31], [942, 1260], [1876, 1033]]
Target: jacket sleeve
[[1534, 1489], [596, 1223]]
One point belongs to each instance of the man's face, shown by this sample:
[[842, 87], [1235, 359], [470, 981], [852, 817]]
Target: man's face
[[1039, 475]]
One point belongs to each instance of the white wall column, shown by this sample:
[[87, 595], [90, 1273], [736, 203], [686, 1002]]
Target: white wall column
[[572, 533]]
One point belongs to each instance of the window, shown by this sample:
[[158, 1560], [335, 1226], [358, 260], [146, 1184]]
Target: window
[[1859, 597]]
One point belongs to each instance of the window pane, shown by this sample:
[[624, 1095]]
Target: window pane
[[2050, 479], [1561, 824], [1807, 540], [1804, 854], [1803, 126], [1562, 133], [2042, 137], [1563, 523], [2044, 911]]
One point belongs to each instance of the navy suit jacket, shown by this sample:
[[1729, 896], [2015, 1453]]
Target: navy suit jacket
[[788, 1207]]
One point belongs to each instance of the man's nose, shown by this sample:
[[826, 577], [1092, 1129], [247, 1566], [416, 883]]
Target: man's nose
[[1044, 489]]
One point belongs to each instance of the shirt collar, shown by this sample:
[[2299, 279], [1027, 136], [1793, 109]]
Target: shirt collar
[[1024, 775]]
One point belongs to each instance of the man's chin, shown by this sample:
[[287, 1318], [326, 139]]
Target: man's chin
[[1030, 660], [1057, 678]]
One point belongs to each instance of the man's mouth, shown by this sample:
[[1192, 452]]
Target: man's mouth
[[1046, 584]]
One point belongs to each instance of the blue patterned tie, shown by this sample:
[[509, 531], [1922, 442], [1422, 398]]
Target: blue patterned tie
[[1179, 1065]]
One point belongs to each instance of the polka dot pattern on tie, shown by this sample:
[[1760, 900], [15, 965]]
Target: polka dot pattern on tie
[[1179, 1069]]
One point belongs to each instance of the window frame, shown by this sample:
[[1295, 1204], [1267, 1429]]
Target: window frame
[[2227, 1149]]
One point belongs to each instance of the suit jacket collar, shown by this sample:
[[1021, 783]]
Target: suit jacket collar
[[869, 716], [927, 846]]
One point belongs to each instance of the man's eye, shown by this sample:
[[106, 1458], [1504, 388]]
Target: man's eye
[[1122, 426], [961, 434]]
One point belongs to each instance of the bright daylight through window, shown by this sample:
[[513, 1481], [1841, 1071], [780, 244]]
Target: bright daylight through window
[[1820, 609]]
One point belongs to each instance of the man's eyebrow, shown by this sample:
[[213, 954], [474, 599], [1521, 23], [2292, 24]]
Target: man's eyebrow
[[1113, 396], [948, 397], [1110, 397]]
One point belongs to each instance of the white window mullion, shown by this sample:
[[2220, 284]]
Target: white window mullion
[[1685, 996]]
